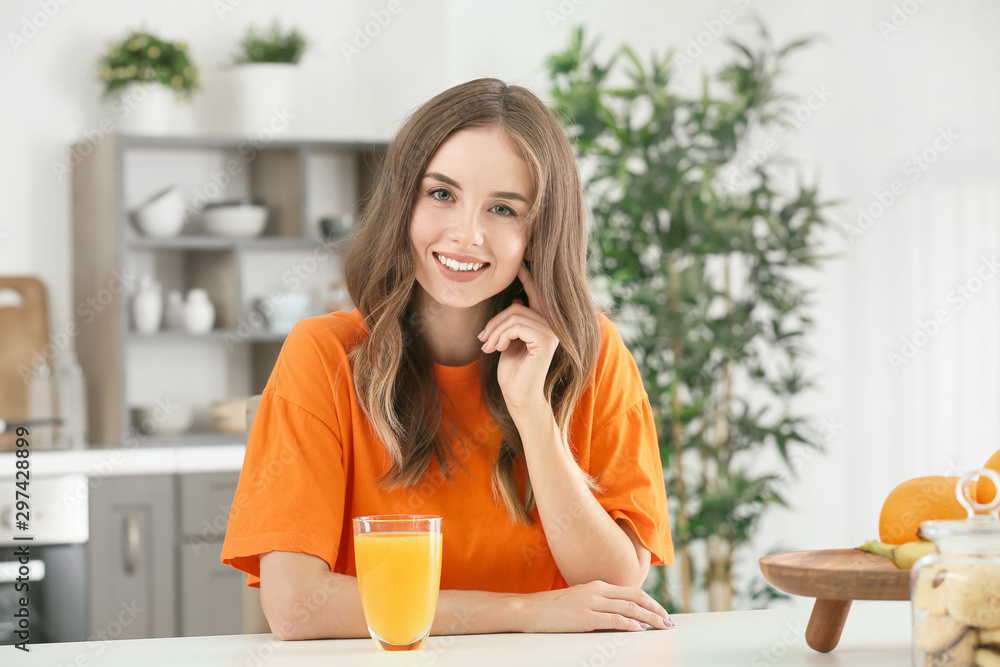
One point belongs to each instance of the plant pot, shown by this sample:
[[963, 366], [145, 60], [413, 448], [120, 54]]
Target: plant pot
[[263, 91], [144, 108]]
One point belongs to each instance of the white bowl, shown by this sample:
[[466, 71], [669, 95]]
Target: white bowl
[[236, 220], [162, 215], [155, 420]]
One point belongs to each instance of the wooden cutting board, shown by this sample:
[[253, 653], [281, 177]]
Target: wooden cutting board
[[24, 331], [835, 577]]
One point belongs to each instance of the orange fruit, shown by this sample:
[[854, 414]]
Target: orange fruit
[[915, 501], [985, 490]]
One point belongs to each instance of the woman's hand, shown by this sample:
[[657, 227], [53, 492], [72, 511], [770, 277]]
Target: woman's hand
[[593, 606], [526, 344]]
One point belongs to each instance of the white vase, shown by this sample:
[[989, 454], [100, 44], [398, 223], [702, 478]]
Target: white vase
[[144, 108], [147, 306], [199, 313], [264, 95]]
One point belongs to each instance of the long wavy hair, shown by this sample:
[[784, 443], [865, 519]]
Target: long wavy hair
[[392, 367]]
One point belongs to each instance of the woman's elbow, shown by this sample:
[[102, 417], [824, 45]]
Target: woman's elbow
[[278, 603]]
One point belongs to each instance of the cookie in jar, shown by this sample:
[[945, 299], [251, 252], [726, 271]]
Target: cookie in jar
[[955, 591]]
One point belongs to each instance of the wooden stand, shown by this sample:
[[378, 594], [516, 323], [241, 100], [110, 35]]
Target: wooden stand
[[835, 577]]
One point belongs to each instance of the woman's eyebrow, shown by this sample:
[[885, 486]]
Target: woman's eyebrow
[[503, 195]]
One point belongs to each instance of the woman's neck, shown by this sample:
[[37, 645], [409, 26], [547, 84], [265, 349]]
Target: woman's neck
[[450, 333]]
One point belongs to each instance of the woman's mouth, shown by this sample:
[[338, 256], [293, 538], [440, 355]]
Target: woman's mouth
[[461, 272]]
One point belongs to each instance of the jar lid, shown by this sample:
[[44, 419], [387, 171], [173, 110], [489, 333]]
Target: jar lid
[[977, 534]]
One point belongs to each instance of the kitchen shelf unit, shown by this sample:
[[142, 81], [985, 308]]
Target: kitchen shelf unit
[[300, 180]]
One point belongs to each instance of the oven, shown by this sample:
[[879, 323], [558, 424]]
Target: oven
[[56, 563]]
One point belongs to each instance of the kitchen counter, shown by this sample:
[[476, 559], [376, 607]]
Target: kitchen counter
[[877, 633], [130, 461]]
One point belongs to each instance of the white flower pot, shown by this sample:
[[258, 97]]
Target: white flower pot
[[144, 108], [263, 92]]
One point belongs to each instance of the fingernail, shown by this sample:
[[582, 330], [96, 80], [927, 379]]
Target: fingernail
[[481, 334], [645, 626], [484, 346], [669, 622]]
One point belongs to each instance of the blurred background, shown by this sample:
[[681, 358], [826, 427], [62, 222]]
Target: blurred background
[[893, 114]]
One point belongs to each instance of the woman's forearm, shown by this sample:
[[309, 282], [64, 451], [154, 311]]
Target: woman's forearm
[[586, 543], [328, 605]]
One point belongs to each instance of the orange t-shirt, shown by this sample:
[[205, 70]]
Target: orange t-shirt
[[312, 462]]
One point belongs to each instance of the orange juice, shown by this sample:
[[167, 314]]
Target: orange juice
[[398, 574]]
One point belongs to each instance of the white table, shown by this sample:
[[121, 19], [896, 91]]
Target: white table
[[877, 633]]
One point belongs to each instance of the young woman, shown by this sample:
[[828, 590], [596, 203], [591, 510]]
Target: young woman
[[465, 384]]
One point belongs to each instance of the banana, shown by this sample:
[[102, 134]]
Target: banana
[[902, 555]]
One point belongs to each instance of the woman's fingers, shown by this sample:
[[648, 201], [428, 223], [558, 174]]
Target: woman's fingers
[[612, 621], [516, 310], [634, 612], [514, 327], [528, 282], [596, 605], [634, 602]]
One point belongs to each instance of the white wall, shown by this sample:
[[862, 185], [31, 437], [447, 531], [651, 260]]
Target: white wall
[[891, 94]]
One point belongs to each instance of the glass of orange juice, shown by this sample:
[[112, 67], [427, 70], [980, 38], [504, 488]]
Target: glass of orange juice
[[398, 558]]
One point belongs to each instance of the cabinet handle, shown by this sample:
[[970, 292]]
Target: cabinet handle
[[130, 526]]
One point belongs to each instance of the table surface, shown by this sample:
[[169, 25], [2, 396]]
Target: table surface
[[877, 633]]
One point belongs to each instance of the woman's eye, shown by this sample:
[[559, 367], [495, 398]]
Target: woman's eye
[[502, 209], [509, 211]]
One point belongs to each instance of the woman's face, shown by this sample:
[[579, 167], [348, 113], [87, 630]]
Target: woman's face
[[469, 227]]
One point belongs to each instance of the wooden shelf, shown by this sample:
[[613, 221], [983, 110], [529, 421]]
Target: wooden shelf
[[220, 243], [238, 141], [219, 335], [300, 180]]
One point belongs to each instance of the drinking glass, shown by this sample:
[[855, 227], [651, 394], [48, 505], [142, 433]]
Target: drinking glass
[[398, 558]]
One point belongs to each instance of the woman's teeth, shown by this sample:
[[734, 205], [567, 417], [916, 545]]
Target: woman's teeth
[[459, 266]]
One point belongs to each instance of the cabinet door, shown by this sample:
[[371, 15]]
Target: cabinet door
[[211, 601], [205, 499], [211, 593], [132, 557]]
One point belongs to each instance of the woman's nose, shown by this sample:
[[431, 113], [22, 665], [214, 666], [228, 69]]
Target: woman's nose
[[468, 231]]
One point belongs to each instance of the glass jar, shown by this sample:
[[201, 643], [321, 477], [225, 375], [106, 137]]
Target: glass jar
[[955, 591]]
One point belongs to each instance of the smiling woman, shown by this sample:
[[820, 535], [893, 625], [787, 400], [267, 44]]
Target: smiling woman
[[468, 243], [465, 385]]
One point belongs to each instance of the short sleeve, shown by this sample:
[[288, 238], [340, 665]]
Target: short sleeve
[[624, 452], [291, 491], [626, 458]]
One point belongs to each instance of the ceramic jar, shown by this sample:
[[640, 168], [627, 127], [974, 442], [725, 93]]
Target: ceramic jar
[[199, 313], [147, 306], [955, 591]]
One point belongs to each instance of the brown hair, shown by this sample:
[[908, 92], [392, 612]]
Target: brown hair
[[392, 367]]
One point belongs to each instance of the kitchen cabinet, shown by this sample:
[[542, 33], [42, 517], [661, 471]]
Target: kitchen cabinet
[[131, 565], [155, 543], [300, 181], [211, 594]]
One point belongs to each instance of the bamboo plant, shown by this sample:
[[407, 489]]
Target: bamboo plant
[[698, 271]]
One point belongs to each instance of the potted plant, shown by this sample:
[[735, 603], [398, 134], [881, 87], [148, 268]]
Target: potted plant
[[145, 77], [264, 74], [697, 250]]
